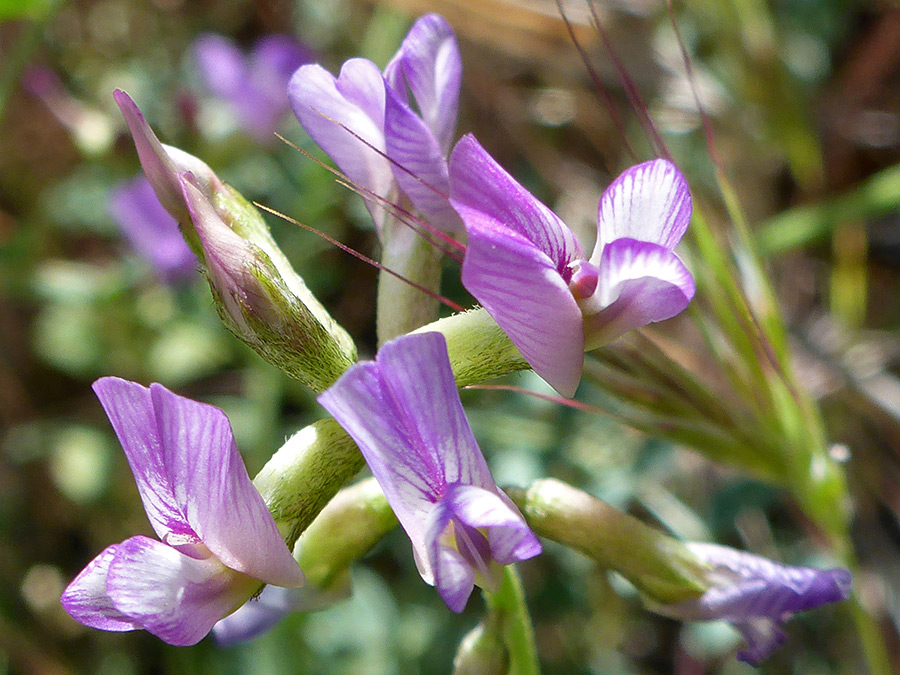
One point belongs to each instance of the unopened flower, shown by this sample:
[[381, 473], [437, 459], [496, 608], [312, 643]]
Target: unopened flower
[[151, 230], [163, 163], [262, 300], [403, 411], [527, 269], [260, 296], [757, 596], [219, 542], [253, 85], [377, 108]]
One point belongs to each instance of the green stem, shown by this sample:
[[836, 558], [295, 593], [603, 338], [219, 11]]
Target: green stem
[[659, 566], [518, 630], [877, 659], [402, 307]]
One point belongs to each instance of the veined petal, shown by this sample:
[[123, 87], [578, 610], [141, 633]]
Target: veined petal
[[173, 596], [453, 577], [130, 410], [521, 288], [638, 283], [422, 173], [354, 99], [509, 536], [429, 61], [648, 202], [87, 601], [416, 370], [211, 485], [396, 435], [478, 184]]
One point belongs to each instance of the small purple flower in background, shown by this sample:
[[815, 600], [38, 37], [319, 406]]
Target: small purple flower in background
[[254, 86], [377, 108], [529, 272], [403, 411], [219, 541], [275, 602], [757, 596], [151, 231]]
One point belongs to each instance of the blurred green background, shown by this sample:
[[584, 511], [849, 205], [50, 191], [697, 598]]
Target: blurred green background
[[804, 98]]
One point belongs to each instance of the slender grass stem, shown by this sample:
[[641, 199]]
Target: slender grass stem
[[518, 630]]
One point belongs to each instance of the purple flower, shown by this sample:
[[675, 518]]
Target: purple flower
[[757, 596], [262, 613], [219, 541], [254, 86], [151, 231], [529, 272], [403, 411], [377, 108]]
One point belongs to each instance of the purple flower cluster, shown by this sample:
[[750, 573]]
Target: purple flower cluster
[[365, 120], [391, 133]]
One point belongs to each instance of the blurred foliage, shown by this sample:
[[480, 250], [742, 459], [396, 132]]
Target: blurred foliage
[[804, 99]]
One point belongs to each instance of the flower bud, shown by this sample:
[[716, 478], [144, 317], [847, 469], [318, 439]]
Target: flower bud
[[163, 163], [482, 651], [261, 299]]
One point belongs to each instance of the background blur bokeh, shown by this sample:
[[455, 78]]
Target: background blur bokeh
[[804, 97]]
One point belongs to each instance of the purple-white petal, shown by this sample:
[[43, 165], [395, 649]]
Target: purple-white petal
[[784, 590], [212, 488], [87, 601], [227, 255], [404, 413], [510, 538], [416, 370], [151, 230], [649, 202], [355, 99], [429, 62], [421, 169], [638, 283], [176, 597], [130, 410], [520, 287], [451, 574], [478, 184]]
